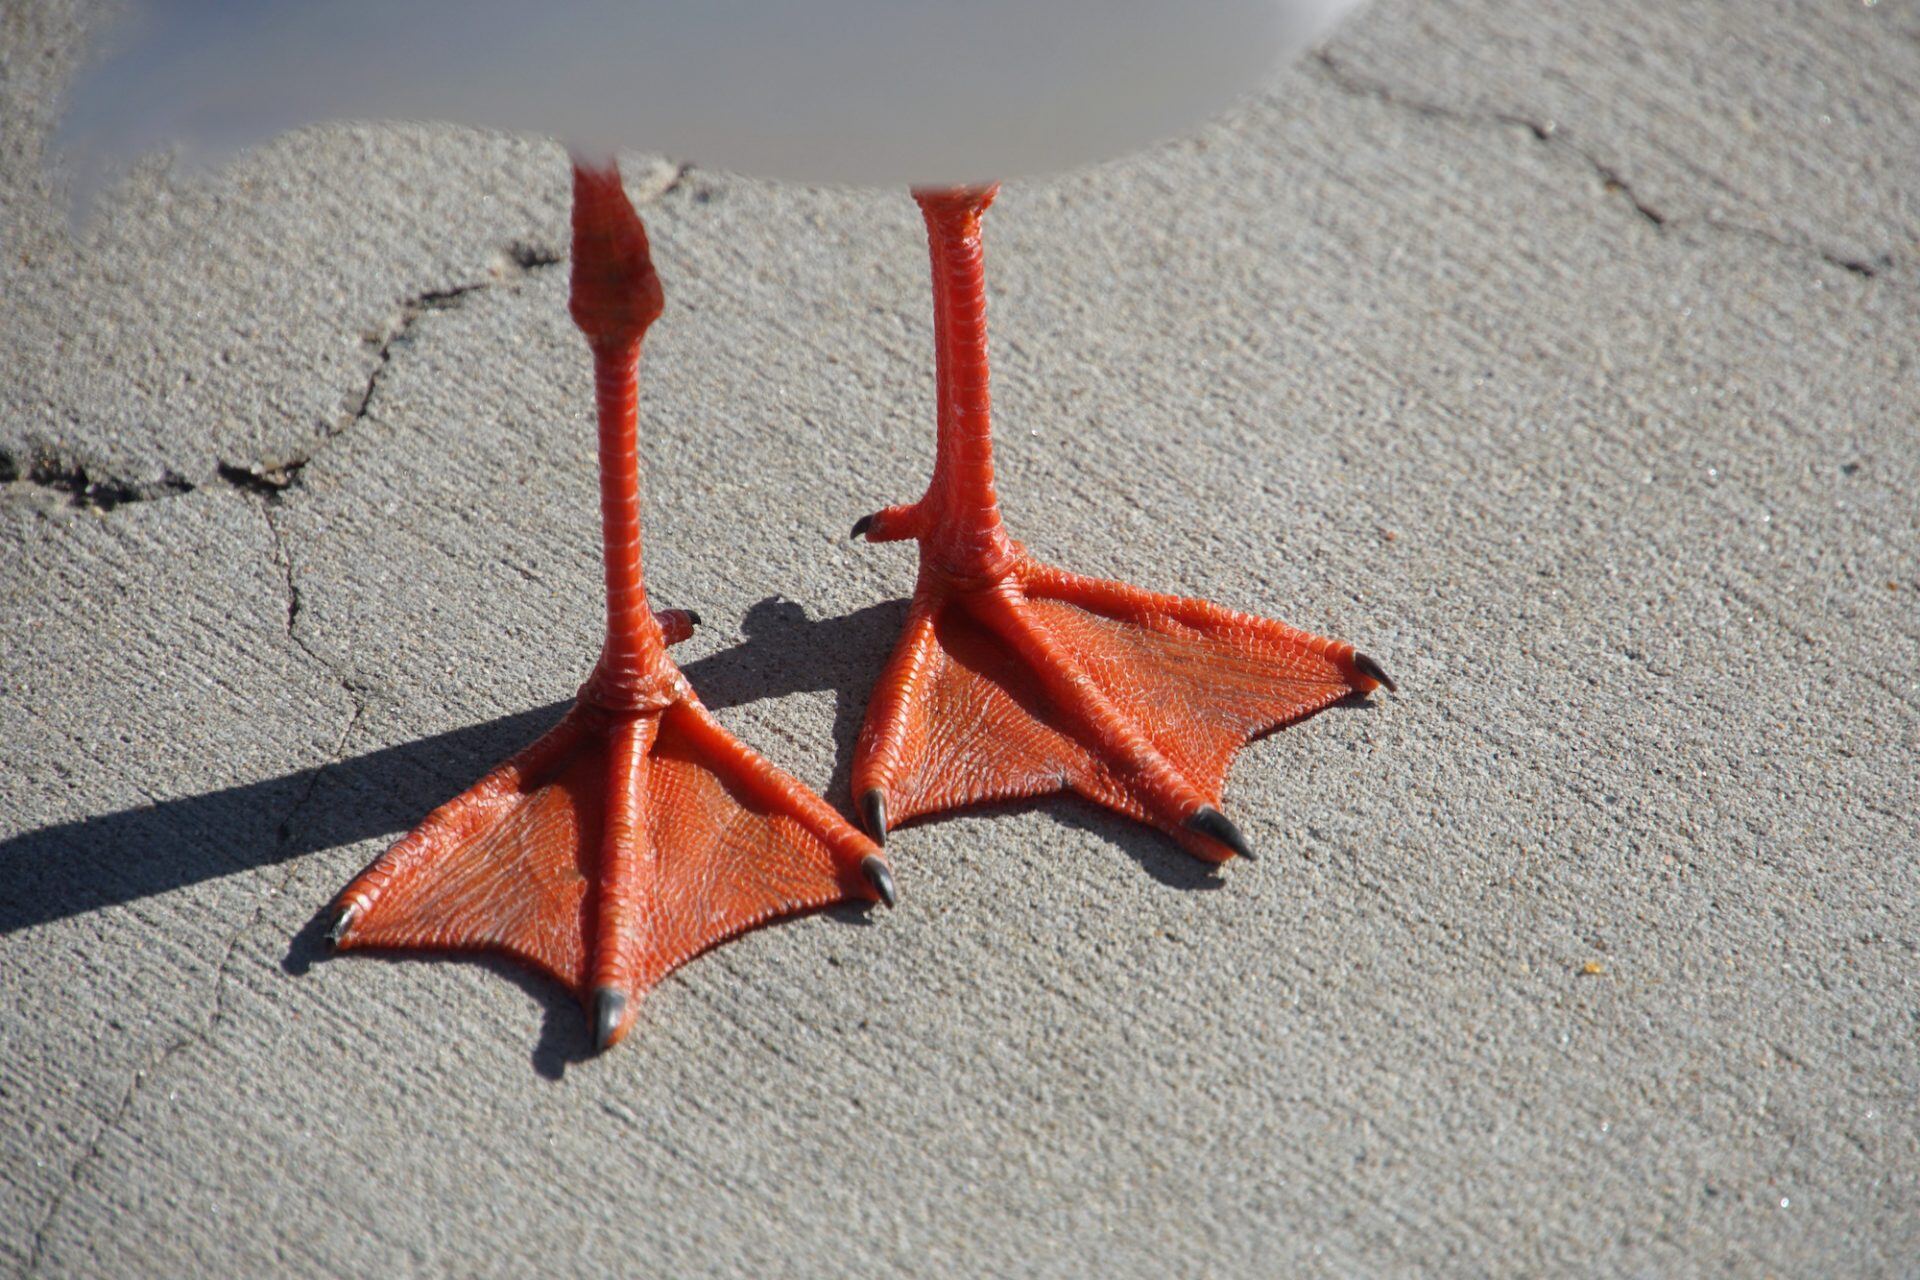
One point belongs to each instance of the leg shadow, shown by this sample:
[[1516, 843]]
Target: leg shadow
[[786, 652], [71, 868], [107, 860]]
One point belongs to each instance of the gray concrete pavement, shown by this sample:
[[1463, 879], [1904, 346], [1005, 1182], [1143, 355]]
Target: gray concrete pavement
[[1561, 356]]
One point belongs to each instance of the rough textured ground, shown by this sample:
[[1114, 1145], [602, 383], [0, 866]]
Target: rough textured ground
[[1560, 354]]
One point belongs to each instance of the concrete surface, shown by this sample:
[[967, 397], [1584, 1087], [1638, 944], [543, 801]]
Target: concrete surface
[[1561, 355]]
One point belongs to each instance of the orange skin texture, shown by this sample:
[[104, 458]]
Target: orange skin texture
[[1013, 678], [638, 832]]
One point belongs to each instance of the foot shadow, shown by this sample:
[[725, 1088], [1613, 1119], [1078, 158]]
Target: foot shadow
[[1156, 852], [107, 860], [786, 652], [72, 868]]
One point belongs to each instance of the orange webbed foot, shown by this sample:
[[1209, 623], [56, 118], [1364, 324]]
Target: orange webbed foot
[[1041, 681], [639, 832], [1014, 678], [616, 848]]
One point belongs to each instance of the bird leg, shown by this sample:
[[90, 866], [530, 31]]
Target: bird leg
[[638, 832], [1013, 678]]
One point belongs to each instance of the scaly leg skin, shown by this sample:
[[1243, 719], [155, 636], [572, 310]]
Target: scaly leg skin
[[1013, 678], [638, 832]]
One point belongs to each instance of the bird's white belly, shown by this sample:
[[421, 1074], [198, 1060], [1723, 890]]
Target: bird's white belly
[[857, 91]]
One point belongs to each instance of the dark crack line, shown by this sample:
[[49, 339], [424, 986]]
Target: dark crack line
[[271, 477], [91, 488], [284, 835], [1611, 178], [87, 487], [217, 1008], [267, 478], [295, 605], [681, 172]]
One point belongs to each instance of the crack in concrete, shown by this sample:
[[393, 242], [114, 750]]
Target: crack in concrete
[[84, 486], [92, 488], [284, 834], [295, 605], [283, 838], [675, 181], [1615, 183], [521, 258], [267, 478]]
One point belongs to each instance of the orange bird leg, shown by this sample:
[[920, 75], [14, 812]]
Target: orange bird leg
[[638, 832], [1016, 679]]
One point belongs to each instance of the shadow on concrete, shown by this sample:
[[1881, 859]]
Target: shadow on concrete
[[115, 858]]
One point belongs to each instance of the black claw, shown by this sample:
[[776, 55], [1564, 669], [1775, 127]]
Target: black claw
[[873, 811], [1368, 667], [692, 617], [609, 1007], [879, 875], [1215, 825], [861, 525], [341, 924]]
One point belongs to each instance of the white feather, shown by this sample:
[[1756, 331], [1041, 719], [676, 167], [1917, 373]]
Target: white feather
[[855, 91]]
